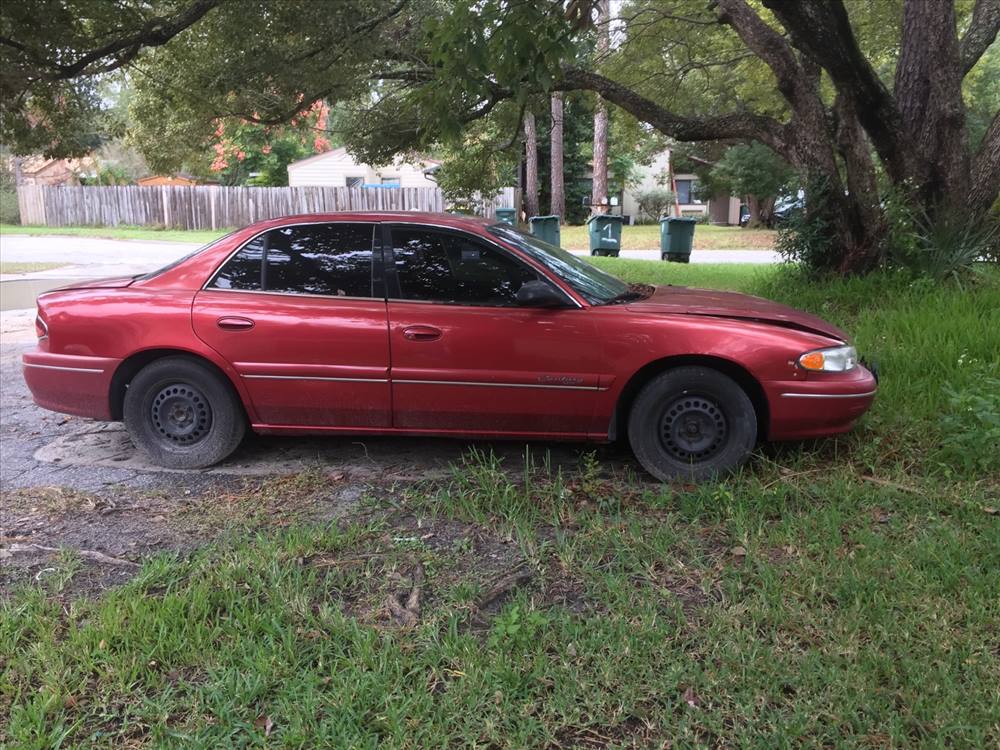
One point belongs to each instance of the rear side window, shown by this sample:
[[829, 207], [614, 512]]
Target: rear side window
[[438, 267], [334, 259], [327, 259], [242, 271]]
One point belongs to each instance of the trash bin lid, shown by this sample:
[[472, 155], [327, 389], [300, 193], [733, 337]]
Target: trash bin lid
[[543, 218], [685, 219]]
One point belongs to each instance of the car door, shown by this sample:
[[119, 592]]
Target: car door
[[466, 358], [298, 314]]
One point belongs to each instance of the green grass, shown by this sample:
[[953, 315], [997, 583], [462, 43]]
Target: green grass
[[833, 594], [706, 237], [15, 267], [201, 236]]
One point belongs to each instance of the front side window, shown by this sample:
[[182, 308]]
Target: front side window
[[593, 284], [439, 267], [327, 259]]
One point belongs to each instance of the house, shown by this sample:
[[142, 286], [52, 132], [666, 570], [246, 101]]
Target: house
[[38, 170], [162, 179], [337, 168], [720, 209]]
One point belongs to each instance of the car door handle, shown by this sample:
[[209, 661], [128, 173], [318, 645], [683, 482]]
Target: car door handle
[[422, 333], [233, 323]]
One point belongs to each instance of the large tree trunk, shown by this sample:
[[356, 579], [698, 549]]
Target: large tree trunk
[[928, 93], [531, 165], [599, 194], [558, 190]]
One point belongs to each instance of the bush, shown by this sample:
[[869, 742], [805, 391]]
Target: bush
[[9, 212], [654, 203], [971, 426]]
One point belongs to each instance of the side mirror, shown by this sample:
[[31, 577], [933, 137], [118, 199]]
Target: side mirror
[[539, 294]]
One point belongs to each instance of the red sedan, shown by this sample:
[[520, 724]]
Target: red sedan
[[415, 324]]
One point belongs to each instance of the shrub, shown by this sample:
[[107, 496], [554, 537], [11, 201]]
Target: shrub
[[9, 212], [654, 203], [971, 426]]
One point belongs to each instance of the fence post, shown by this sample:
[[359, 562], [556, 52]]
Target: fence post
[[166, 206]]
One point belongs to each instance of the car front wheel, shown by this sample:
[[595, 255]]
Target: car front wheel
[[692, 423], [183, 414]]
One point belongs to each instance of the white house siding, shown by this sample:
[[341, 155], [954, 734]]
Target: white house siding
[[334, 167]]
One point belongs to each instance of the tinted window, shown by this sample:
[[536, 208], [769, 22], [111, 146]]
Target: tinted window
[[593, 284], [242, 271], [334, 259], [449, 268]]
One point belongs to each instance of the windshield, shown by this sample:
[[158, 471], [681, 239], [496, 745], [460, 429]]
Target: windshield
[[593, 284], [191, 254]]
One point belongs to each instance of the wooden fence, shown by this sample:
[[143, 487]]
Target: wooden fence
[[214, 207]]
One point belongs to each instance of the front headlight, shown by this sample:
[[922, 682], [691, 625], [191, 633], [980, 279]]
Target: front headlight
[[835, 359]]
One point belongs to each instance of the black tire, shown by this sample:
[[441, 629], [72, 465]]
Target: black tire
[[692, 423], [183, 414], [594, 251]]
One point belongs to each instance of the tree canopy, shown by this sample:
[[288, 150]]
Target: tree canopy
[[855, 96]]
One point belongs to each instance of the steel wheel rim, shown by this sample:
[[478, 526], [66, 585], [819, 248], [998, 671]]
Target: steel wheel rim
[[181, 414], [693, 429]]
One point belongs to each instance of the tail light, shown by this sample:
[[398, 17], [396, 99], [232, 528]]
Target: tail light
[[41, 328]]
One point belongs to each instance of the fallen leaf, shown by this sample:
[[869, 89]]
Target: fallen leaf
[[992, 511], [265, 723], [690, 698], [738, 551]]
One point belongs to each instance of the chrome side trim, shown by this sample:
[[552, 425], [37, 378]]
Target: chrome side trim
[[60, 367], [828, 395], [315, 377], [503, 385]]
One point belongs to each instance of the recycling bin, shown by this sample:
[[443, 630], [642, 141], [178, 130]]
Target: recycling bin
[[605, 234], [676, 238], [507, 215], [545, 228]]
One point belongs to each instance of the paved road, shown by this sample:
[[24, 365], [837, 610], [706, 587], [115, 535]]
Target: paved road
[[89, 257]]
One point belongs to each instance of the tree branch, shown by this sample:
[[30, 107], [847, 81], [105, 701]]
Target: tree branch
[[154, 33], [822, 30], [739, 125], [986, 169], [981, 34]]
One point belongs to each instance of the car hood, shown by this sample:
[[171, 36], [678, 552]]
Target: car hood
[[679, 300]]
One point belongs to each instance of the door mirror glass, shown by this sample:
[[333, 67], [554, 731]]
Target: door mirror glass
[[539, 294]]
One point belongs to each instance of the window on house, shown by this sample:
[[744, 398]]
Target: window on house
[[355, 182], [390, 182], [684, 191]]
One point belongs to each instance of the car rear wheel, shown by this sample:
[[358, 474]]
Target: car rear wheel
[[183, 414], [692, 423]]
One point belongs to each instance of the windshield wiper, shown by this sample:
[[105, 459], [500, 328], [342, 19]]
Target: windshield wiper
[[634, 292]]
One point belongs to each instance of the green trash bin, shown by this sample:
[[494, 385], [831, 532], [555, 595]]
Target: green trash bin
[[676, 238], [507, 215], [605, 234], [545, 228]]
